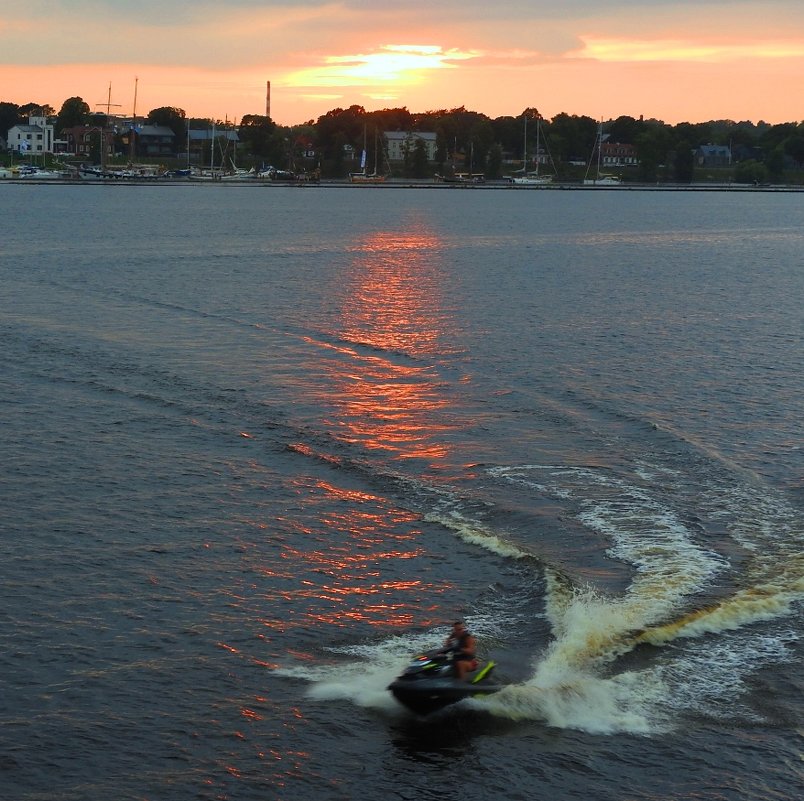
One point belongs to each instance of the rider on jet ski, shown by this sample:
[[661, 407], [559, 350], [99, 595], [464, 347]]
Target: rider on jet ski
[[462, 645]]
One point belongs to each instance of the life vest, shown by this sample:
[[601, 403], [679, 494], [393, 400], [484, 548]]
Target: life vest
[[459, 644]]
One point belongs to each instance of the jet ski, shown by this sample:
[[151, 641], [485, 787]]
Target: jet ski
[[429, 684]]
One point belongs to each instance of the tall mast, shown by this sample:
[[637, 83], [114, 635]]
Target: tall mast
[[108, 105], [525, 148], [537, 143], [599, 145], [133, 124]]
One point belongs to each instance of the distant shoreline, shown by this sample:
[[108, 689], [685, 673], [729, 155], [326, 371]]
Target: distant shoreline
[[497, 185]]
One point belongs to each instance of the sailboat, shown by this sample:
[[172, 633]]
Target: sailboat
[[600, 179], [533, 177], [362, 177], [185, 172]]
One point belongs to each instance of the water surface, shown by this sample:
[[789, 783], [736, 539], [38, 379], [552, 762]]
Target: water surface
[[261, 444]]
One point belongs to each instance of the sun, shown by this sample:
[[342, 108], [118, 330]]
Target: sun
[[404, 64]]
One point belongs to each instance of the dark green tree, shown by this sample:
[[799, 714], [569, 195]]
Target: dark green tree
[[258, 136], [572, 137], [743, 133], [684, 162], [415, 159], [776, 135], [652, 144], [336, 167], [391, 119], [36, 110], [694, 134], [508, 134], [173, 118], [751, 172], [624, 130], [74, 112], [462, 137], [775, 165], [9, 117], [350, 123], [494, 161], [794, 146], [300, 139]]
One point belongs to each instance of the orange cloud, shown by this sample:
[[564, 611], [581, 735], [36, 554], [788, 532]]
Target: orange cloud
[[613, 49], [395, 64]]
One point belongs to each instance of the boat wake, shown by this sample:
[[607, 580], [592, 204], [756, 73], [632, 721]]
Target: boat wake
[[682, 639], [582, 679]]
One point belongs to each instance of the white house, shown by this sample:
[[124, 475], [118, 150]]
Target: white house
[[401, 142], [35, 138]]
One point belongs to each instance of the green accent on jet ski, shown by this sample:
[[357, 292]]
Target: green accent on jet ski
[[484, 672]]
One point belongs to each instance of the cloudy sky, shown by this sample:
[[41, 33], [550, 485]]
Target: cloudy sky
[[676, 60]]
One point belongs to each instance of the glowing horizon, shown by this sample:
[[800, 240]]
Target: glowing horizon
[[401, 65], [594, 57]]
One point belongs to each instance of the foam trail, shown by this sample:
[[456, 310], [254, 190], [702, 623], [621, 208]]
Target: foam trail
[[574, 682], [643, 532], [569, 685], [575, 700], [363, 682], [559, 596], [477, 534], [568, 688], [365, 685], [752, 605]]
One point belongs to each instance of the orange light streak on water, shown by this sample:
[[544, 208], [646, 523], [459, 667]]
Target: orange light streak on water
[[389, 399], [349, 555], [374, 615]]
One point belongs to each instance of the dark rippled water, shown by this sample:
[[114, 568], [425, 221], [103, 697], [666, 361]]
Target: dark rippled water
[[259, 445]]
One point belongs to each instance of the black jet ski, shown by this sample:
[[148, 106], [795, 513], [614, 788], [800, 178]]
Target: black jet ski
[[428, 683]]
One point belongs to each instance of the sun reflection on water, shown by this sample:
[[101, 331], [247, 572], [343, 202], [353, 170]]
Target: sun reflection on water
[[348, 556], [379, 364], [343, 562]]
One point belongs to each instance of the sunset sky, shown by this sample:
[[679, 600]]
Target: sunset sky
[[676, 60]]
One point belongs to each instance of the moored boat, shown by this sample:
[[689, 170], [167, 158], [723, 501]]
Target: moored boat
[[523, 177], [600, 179], [363, 177]]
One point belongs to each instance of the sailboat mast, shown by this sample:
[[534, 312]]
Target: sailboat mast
[[599, 145], [537, 143], [525, 148], [103, 129], [133, 124]]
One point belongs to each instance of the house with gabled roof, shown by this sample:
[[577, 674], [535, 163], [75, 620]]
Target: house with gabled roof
[[617, 154], [155, 140], [35, 138], [82, 140], [713, 156], [399, 143]]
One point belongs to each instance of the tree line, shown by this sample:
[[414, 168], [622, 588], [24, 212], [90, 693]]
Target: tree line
[[469, 140]]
